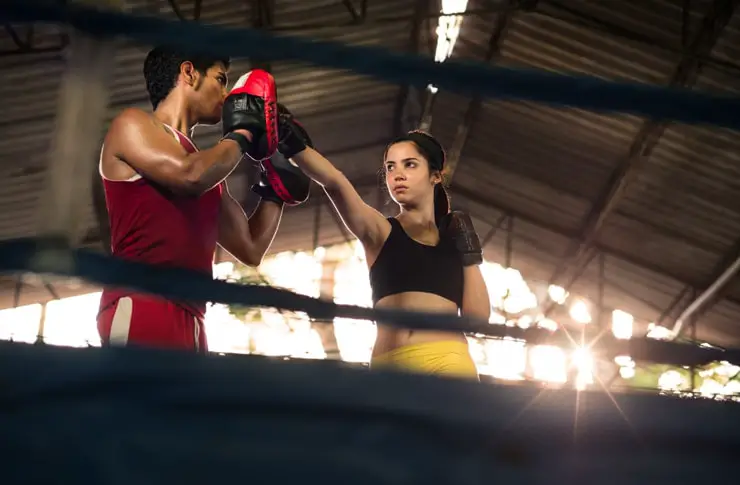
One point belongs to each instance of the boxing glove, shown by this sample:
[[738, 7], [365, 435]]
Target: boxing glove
[[293, 136], [265, 190], [282, 182], [457, 227], [252, 105]]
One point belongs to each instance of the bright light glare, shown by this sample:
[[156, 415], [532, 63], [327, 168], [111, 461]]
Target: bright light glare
[[557, 294], [505, 359], [72, 321], [549, 363], [671, 380], [225, 332], [355, 338], [622, 323], [658, 333], [448, 28], [507, 289], [224, 270], [583, 362], [579, 312], [627, 372], [20, 324], [547, 324]]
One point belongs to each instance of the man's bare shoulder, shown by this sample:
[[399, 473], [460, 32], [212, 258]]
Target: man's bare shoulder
[[132, 118], [131, 126]]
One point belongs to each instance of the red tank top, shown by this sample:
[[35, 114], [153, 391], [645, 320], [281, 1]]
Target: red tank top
[[151, 225]]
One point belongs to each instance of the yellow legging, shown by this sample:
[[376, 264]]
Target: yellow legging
[[449, 358]]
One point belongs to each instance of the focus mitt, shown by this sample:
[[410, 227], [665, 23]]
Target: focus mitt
[[282, 182], [252, 105]]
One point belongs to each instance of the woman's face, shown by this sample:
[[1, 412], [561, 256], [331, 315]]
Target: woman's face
[[407, 174]]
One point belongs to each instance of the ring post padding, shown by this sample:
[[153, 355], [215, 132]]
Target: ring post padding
[[81, 114]]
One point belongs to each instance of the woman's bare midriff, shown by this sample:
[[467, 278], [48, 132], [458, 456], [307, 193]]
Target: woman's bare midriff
[[391, 338]]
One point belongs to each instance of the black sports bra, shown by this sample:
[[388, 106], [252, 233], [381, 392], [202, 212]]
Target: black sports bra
[[407, 265]]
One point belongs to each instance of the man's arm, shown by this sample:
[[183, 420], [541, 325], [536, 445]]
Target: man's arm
[[136, 138], [247, 239]]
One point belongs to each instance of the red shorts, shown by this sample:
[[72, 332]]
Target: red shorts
[[148, 321]]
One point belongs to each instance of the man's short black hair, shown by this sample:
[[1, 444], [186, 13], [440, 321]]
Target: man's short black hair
[[162, 66]]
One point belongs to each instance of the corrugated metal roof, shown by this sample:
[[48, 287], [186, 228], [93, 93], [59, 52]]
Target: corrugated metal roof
[[546, 165], [550, 165]]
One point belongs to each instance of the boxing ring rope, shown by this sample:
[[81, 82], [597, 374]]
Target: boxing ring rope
[[466, 78], [179, 284], [109, 415]]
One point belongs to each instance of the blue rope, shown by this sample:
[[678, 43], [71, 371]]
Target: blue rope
[[178, 284], [110, 416], [462, 77]]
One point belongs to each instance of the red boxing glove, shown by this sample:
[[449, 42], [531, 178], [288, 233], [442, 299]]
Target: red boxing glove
[[252, 105]]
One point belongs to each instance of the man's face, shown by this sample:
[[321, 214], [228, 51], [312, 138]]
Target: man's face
[[209, 93]]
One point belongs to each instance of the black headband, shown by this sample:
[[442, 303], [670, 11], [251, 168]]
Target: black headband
[[433, 151]]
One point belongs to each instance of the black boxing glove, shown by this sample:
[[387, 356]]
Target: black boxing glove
[[457, 227], [293, 136], [265, 190], [282, 182], [252, 105]]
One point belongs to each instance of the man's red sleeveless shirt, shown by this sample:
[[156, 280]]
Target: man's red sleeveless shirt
[[149, 224]]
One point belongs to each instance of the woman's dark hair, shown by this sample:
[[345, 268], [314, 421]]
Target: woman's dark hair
[[432, 150], [162, 65]]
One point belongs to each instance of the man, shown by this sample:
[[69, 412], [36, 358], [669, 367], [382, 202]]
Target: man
[[167, 201]]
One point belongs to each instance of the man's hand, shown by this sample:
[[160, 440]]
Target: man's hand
[[252, 106], [293, 136], [282, 182]]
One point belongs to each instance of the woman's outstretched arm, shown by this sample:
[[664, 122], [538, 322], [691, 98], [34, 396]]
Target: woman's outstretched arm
[[367, 224]]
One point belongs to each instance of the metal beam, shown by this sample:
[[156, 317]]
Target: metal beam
[[17, 289], [384, 19], [20, 43], [25, 44], [712, 291], [501, 28], [356, 17], [493, 230], [565, 233], [413, 46], [685, 75], [176, 9], [262, 18], [52, 291], [573, 16]]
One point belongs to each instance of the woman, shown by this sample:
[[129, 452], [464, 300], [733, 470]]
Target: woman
[[424, 259]]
